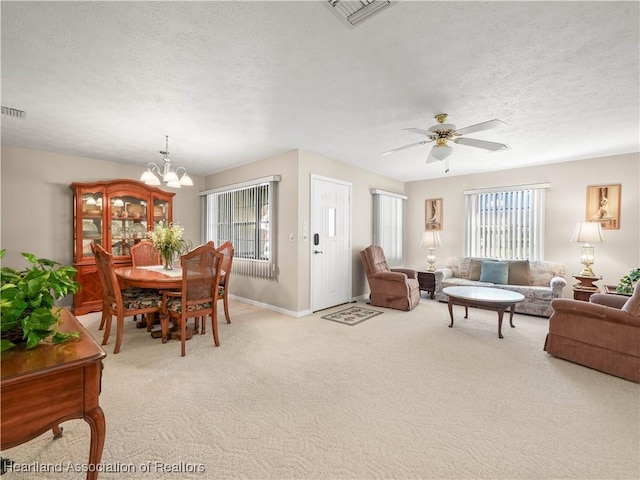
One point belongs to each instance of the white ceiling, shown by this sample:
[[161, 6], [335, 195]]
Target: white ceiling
[[235, 82]]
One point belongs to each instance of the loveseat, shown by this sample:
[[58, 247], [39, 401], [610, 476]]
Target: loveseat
[[603, 333], [539, 281]]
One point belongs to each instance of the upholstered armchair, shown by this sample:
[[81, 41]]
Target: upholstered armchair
[[603, 333], [390, 287]]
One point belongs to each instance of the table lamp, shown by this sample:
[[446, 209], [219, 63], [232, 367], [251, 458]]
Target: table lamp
[[430, 240], [587, 233]]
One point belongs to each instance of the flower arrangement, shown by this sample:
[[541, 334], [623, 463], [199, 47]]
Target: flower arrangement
[[169, 241]]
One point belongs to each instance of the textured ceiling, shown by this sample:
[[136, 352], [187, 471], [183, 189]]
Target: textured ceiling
[[235, 82]]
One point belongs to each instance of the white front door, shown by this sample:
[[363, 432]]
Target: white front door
[[330, 242]]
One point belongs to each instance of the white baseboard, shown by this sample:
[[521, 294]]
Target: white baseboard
[[273, 308], [291, 313]]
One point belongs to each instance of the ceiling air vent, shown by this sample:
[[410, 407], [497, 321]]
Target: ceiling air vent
[[356, 11], [13, 112]]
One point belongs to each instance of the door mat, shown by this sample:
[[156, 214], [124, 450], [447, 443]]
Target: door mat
[[352, 315]]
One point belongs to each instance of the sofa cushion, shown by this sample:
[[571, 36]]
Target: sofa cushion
[[475, 266], [494, 272], [519, 272]]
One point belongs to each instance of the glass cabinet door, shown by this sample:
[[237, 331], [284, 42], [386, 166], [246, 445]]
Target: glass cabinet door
[[92, 229], [128, 223], [160, 211]]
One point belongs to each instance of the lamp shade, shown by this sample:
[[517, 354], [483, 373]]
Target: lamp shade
[[430, 239], [587, 232], [440, 152]]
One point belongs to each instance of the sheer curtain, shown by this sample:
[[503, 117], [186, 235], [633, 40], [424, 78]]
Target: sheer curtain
[[388, 225]]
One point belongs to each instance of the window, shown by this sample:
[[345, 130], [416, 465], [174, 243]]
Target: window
[[506, 223], [388, 225], [244, 214]]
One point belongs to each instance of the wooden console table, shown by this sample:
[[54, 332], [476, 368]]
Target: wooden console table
[[49, 384]]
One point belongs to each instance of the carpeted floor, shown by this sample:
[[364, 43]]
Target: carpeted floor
[[401, 396]]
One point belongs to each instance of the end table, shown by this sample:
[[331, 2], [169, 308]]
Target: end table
[[585, 287], [427, 281]]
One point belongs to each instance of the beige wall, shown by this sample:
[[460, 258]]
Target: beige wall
[[37, 203], [291, 291], [283, 292], [362, 182], [566, 205]]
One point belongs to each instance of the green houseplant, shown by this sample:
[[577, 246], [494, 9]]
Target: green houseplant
[[628, 282], [27, 298]]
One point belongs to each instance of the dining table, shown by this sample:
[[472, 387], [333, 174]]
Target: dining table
[[150, 276]]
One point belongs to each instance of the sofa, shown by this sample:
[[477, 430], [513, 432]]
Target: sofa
[[539, 281], [603, 333]]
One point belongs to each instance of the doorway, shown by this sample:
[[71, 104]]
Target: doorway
[[330, 242]]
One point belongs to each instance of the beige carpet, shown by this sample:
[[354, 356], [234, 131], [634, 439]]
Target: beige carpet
[[399, 396]]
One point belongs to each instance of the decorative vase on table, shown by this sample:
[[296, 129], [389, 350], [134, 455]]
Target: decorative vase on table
[[170, 242], [167, 259]]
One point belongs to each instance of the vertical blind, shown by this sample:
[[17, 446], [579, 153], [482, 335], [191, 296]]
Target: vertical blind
[[244, 214], [388, 225], [506, 223]]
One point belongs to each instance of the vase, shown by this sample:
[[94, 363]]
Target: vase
[[167, 260]]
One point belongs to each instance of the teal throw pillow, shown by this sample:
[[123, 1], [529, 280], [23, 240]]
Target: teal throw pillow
[[494, 272]]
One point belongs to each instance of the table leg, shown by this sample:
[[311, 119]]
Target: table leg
[[500, 314], [466, 311], [95, 419], [57, 432], [450, 304], [513, 307]]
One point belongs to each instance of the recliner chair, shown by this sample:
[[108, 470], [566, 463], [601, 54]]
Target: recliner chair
[[603, 333], [390, 287]]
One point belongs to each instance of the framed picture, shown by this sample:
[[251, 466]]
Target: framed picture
[[603, 205], [433, 214]]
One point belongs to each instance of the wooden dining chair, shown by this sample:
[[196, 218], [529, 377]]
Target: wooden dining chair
[[226, 249], [121, 303], [144, 254], [198, 297]]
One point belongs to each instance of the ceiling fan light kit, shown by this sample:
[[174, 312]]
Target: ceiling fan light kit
[[443, 132]]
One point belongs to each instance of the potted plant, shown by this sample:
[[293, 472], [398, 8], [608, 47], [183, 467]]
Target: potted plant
[[628, 282], [27, 297]]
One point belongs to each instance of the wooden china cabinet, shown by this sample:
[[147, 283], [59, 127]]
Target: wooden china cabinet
[[116, 214]]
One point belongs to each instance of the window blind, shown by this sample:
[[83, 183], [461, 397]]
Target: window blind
[[388, 225], [506, 223], [244, 214]]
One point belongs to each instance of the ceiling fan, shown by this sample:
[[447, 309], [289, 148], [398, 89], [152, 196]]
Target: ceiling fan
[[442, 132]]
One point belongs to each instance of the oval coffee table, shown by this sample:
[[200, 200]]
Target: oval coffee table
[[486, 298]]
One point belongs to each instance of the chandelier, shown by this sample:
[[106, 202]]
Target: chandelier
[[170, 177]]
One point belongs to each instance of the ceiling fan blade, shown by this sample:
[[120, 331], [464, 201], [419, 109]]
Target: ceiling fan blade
[[472, 142], [419, 131], [405, 147], [478, 127]]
